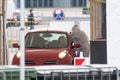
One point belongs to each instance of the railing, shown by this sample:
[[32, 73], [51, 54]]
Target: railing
[[14, 23], [61, 72]]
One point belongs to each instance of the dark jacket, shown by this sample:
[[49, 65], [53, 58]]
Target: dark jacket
[[31, 19]]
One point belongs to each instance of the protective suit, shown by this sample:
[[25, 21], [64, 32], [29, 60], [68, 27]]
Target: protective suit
[[80, 36]]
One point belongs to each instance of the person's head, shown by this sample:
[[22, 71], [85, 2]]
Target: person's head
[[75, 27], [31, 10]]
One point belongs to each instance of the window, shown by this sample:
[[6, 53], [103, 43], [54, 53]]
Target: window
[[45, 3], [40, 3], [28, 4], [50, 3], [74, 2], [78, 3], [46, 40], [35, 3], [18, 3]]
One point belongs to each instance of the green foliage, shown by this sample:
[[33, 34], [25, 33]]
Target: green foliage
[[85, 8]]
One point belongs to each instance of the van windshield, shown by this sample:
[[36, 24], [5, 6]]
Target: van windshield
[[46, 40]]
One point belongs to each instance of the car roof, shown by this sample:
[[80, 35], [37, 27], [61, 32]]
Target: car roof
[[47, 30]]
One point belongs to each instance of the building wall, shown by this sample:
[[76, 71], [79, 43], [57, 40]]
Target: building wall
[[65, 4], [113, 32], [56, 3]]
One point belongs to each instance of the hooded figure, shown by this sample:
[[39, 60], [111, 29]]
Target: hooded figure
[[80, 36]]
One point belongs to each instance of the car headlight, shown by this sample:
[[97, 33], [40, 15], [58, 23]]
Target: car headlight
[[18, 54], [62, 54]]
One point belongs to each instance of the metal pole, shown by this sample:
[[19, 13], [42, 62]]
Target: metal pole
[[5, 47], [1, 39], [22, 46]]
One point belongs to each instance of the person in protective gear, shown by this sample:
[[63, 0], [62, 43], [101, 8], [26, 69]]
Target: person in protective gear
[[80, 36]]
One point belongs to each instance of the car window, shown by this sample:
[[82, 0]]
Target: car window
[[46, 40]]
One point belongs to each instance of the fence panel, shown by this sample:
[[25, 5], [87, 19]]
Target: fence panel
[[61, 72]]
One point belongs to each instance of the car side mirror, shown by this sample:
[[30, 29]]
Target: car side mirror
[[76, 45], [15, 45]]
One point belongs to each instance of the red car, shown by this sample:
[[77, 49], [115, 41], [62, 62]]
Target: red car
[[47, 47]]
